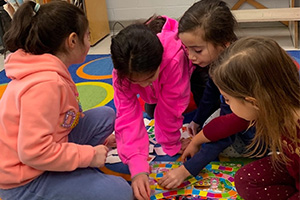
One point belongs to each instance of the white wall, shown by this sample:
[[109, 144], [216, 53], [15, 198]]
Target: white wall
[[128, 10]]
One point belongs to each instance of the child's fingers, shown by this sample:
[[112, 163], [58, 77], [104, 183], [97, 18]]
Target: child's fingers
[[163, 181], [105, 148], [183, 157], [141, 187], [169, 183], [143, 193], [172, 185], [148, 189], [190, 131]]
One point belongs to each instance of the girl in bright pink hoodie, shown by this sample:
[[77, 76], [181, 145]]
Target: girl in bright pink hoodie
[[155, 67]]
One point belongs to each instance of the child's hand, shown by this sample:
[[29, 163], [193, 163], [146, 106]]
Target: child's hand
[[100, 156], [190, 151], [110, 141], [184, 143], [193, 128], [173, 178], [141, 187]]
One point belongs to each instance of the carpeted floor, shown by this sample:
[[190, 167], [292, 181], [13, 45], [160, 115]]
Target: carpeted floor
[[94, 81]]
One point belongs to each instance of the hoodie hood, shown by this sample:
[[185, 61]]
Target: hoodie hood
[[169, 38], [21, 64], [172, 44]]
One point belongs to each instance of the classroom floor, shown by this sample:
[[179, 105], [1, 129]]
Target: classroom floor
[[275, 30]]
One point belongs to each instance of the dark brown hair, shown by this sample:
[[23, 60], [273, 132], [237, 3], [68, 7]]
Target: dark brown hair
[[136, 50], [155, 23], [212, 16], [44, 30]]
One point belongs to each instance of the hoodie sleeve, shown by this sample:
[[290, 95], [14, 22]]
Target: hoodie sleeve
[[172, 101], [207, 105], [39, 142], [224, 126], [131, 135], [208, 153]]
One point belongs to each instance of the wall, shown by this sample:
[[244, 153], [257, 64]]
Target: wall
[[130, 10]]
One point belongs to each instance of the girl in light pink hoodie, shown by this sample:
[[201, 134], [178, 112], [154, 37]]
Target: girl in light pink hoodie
[[155, 67], [49, 146]]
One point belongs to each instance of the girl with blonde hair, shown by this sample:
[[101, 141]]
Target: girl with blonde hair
[[260, 83]]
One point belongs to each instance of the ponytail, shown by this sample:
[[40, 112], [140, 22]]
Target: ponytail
[[40, 29]]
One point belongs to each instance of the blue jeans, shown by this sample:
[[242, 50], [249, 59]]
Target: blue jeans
[[82, 183]]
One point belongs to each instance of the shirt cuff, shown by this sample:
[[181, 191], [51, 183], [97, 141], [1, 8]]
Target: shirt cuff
[[172, 150], [138, 164]]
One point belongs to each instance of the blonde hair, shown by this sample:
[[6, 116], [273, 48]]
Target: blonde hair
[[258, 67]]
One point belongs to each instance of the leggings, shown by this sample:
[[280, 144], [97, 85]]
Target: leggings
[[82, 183], [259, 180]]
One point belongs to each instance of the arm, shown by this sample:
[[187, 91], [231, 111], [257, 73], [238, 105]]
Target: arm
[[221, 138], [173, 99], [198, 82], [197, 140], [175, 177], [131, 135], [230, 123], [208, 104], [207, 153]]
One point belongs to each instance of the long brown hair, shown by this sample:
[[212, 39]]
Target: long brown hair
[[258, 67]]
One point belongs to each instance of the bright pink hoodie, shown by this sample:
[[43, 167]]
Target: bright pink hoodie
[[36, 112], [171, 93]]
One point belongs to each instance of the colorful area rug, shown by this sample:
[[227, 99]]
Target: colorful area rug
[[93, 79]]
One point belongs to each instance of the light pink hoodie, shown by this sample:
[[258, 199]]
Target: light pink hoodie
[[171, 93], [35, 117]]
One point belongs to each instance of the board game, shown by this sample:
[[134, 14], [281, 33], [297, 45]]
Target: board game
[[216, 181]]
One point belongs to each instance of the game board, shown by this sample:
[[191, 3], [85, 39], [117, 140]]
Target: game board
[[214, 182]]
